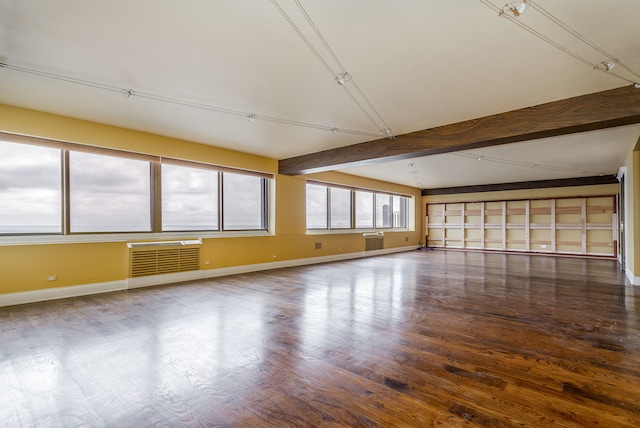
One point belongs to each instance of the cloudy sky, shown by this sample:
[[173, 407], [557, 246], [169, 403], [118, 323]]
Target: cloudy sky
[[30, 198]]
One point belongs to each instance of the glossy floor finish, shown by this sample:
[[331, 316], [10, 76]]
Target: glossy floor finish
[[424, 338]]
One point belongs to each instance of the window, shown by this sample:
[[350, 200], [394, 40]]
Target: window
[[53, 187], [364, 209], [339, 207], [399, 211], [384, 213], [109, 194], [243, 202], [30, 189], [189, 198], [317, 208]]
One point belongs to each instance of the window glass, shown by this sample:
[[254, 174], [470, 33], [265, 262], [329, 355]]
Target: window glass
[[364, 209], [384, 214], [244, 201], [399, 211], [109, 194], [30, 189], [316, 206], [340, 208], [189, 198]]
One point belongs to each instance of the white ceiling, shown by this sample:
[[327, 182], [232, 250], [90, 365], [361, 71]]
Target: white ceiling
[[198, 69]]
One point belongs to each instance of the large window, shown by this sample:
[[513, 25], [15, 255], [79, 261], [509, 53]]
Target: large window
[[338, 207], [244, 202], [364, 209], [400, 210], [49, 187], [109, 194], [384, 214], [30, 189], [317, 206], [189, 198]]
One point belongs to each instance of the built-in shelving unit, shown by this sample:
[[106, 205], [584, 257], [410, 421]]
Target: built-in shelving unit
[[580, 225]]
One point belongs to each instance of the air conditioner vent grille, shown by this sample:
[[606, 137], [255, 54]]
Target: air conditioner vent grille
[[373, 241], [158, 261]]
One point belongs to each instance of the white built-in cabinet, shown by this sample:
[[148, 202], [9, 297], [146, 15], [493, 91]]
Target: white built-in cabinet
[[577, 225]]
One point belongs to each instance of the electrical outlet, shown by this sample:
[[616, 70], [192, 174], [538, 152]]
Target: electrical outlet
[[543, 246], [318, 245], [406, 239], [51, 278]]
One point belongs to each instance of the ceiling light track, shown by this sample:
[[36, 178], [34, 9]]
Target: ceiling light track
[[342, 77], [346, 76], [127, 93], [478, 158], [609, 64], [415, 174], [515, 9]]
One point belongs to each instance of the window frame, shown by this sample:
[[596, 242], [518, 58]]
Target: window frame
[[326, 205], [217, 201], [155, 183], [60, 204], [264, 203], [353, 202]]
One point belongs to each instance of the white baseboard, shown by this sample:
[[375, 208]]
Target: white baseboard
[[634, 280], [20, 298], [23, 297], [170, 278]]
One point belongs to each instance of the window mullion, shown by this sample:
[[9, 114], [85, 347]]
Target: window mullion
[[66, 199], [353, 209], [220, 200], [265, 204], [328, 190], [156, 197], [375, 211]]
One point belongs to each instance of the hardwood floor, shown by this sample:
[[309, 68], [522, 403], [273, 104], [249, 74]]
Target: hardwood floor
[[414, 339]]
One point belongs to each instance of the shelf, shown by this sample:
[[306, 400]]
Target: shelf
[[578, 225]]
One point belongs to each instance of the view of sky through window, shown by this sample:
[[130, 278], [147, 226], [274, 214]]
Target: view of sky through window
[[30, 189]]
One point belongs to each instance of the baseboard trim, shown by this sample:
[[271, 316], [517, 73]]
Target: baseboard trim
[[24, 297], [634, 280], [170, 278]]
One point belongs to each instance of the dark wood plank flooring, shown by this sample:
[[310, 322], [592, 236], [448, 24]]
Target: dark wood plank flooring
[[425, 338]]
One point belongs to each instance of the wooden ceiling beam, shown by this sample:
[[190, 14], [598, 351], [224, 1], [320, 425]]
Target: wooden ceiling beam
[[600, 110]]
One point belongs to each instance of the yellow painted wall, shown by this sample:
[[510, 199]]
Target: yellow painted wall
[[291, 240], [632, 179], [38, 124], [26, 267]]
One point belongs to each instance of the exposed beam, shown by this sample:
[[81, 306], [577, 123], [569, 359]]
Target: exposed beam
[[601, 110], [526, 185]]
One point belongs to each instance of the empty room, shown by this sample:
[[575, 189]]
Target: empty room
[[296, 213]]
